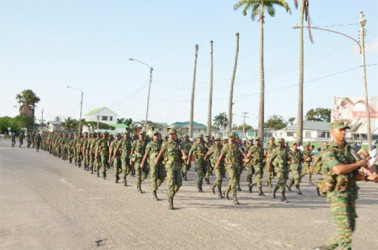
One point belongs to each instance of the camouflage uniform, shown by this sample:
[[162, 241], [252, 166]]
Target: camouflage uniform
[[115, 149], [103, 150], [186, 146], [307, 155], [280, 156], [138, 150], [257, 154], [157, 170], [125, 158], [341, 194], [296, 159], [199, 150], [270, 172], [214, 153]]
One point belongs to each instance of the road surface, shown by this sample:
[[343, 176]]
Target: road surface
[[46, 203]]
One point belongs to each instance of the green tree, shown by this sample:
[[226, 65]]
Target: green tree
[[258, 8], [319, 114], [27, 100], [291, 120], [246, 127], [220, 121], [120, 120], [69, 124], [275, 122]]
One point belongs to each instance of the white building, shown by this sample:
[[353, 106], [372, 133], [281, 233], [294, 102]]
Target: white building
[[102, 114], [312, 131]]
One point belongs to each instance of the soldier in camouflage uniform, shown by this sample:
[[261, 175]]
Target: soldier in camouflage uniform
[[70, 147], [341, 174], [213, 154], [125, 157], [97, 158], [103, 152], [115, 156], [91, 153], [85, 150], [38, 139], [281, 156], [173, 157], [233, 163], [186, 146], [137, 152], [157, 169], [209, 168], [307, 158], [296, 159], [256, 153], [199, 150], [268, 155]]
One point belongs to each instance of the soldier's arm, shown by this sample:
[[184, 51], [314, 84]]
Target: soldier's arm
[[146, 154], [162, 150], [190, 153], [271, 161], [219, 159]]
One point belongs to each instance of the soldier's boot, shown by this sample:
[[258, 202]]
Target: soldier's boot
[[226, 194], [274, 192], [116, 179], [104, 175], [214, 186], [298, 191], [310, 181], [185, 176], [170, 206], [289, 187], [283, 199], [269, 184], [125, 182], [261, 193], [250, 186], [220, 195], [207, 180], [91, 170], [235, 199], [200, 188], [139, 188], [98, 173], [155, 196], [317, 191], [239, 188]]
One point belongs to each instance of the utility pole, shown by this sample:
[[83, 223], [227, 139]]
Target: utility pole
[[362, 44], [230, 102], [211, 91], [41, 118], [193, 91], [244, 117]]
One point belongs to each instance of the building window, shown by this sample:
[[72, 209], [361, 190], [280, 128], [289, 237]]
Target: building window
[[308, 134], [110, 118], [324, 135], [104, 118], [290, 134]]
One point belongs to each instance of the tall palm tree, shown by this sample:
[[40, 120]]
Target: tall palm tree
[[230, 101], [193, 91], [258, 8], [27, 100], [304, 14], [69, 124]]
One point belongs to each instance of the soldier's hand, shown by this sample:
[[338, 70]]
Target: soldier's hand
[[363, 163], [372, 177]]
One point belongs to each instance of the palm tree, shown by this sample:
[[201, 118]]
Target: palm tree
[[27, 100], [69, 124], [230, 102], [208, 131], [258, 8], [304, 14], [220, 120], [193, 91]]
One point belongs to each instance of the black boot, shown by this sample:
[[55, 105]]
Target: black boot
[[139, 188], [299, 191], [235, 199], [214, 189], [207, 180], [125, 182], [155, 196], [269, 184], [250, 187], [104, 175], [261, 192], [91, 170], [185, 177], [226, 194], [170, 200], [274, 193], [200, 188], [283, 199], [239, 188], [116, 179], [289, 187], [220, 195]]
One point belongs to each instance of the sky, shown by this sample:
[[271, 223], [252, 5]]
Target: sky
[[48, 45]]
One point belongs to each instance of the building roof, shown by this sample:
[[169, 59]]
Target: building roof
[[186, 124], [97, 110], [309, 125]]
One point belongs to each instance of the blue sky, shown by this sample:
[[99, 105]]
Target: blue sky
[[47, 45]]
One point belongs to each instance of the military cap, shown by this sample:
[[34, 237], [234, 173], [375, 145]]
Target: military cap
[[142, 132], [231, 134], [257, 139], [281, 140], [295, 143], [171, 131], [156, 133], [117, 135], [186, 135], [339, 125], [271, 138], [217, 138]]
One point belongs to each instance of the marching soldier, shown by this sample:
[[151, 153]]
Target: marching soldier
[[186, 146], [296, 159], [137, 152], [213, 154], [199, 150], [256, 153]]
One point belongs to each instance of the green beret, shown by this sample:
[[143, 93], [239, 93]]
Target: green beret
[[339, 125], [171, 131], [281, 140]]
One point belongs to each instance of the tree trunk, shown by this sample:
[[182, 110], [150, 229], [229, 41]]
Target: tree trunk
[[299, 136], [262, 80], [193, 90], [230, 104], [211, 91]]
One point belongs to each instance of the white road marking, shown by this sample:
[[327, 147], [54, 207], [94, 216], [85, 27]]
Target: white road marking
[[67, 183]]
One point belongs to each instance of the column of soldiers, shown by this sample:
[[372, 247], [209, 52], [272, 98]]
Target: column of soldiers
[[170, 159]]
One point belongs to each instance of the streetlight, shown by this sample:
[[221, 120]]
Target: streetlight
[[81, 104], [361, 45], [149, 85]]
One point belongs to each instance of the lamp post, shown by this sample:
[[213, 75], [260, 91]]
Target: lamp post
[[149, 86], [361, 45], [81, 104]]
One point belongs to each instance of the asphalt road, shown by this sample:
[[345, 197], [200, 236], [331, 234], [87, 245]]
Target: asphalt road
[[46, 203]]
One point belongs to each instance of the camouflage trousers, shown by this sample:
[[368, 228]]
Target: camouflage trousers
[[86, 158], [219, 173], [157, 175], [117, 165], [185, 168], [103, 164], [126, 168], [201, 170], [306, 171], [296, 172], [232, 171], [174, 178], [343, 210], [209, 169], [251, 172], [259, 172], [140, 173], [270, 174], [282, 175]]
